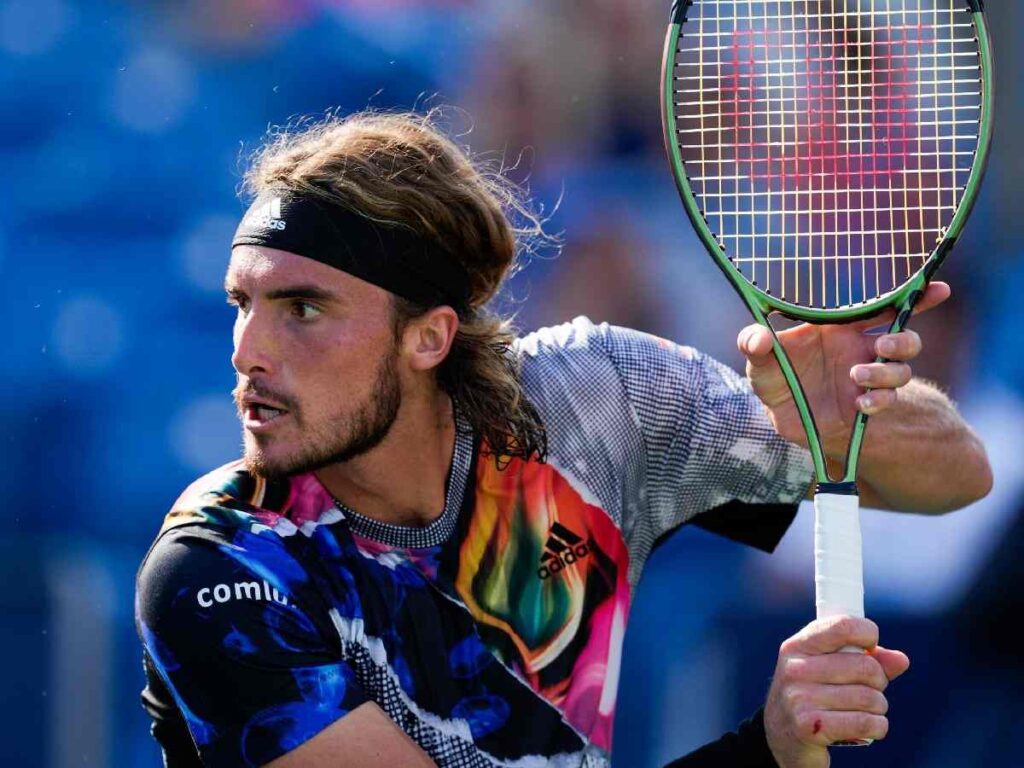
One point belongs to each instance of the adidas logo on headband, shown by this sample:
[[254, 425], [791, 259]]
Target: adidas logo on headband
[[268, 215], [388, 255]]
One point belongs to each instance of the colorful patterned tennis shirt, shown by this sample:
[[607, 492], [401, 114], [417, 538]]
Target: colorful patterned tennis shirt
[[493, 636]]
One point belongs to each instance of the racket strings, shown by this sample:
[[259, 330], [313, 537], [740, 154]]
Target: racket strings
[[828, 143]]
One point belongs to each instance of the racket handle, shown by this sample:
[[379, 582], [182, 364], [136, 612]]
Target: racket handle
[[838, 566], [838, 570]]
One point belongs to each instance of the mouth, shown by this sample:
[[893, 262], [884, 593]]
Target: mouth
[[258, 417]]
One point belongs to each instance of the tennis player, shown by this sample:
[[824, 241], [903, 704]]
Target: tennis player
[[426, 554]]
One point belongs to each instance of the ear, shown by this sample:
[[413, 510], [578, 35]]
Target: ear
[[427, 339]]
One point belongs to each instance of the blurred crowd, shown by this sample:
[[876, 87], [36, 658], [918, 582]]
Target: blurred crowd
[[124, 127]]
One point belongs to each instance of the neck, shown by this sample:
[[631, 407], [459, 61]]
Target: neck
[[402, 480]]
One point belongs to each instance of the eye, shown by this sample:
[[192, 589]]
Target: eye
[[238, 300], [303, 310]]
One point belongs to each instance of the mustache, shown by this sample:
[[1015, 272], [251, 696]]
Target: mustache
[[256, 389]]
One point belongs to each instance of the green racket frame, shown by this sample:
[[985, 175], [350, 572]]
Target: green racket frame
[[762, 305]]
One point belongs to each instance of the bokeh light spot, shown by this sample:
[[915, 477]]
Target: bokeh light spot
[[153, 92], [88, 336]]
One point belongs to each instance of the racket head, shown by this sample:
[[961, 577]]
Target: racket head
[[828, 152]]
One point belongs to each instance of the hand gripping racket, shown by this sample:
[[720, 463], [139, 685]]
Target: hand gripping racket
[[828, 153]]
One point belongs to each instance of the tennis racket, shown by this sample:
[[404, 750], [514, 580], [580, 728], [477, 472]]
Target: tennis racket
[[828, 153]]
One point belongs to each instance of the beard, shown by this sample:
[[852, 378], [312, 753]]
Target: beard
[[339, 439]]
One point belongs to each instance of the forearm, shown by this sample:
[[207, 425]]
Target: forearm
[[920, 455]]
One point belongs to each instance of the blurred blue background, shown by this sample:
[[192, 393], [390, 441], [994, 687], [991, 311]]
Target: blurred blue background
[[122, 133]]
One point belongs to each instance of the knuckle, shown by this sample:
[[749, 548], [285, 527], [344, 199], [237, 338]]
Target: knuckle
[[792, 698], [868, 670], [851, 627], [864, 724], [875, 675], [797, 698], [884, 397], [893, 373], [844, 626], [866, 666], [805, 723], [908, 345], [790, 645], [867, 699], [880, 706], [792, 669], [870, 629]]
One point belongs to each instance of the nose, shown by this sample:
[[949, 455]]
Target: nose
[[254, 344]]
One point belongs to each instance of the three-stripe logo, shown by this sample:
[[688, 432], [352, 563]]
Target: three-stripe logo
[[563, 548], [268, 215]]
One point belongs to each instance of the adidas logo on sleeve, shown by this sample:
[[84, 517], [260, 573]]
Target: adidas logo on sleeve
[[562, 549]]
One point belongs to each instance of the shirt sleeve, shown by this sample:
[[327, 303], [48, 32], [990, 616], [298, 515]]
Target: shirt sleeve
[[238, 649], [747, 747], [169, 727], [711, 455]]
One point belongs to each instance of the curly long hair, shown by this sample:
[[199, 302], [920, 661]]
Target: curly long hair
[[401, 169]]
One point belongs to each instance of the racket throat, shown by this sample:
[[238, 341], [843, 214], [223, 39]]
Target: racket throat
[[843, 488]]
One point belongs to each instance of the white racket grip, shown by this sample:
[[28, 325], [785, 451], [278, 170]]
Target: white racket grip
[[838, 567]]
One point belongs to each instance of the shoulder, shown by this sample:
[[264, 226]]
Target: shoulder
[[192, 568], [639, 360], [578, 334], [232, 531], [582, 337], [210, 593], [579, 347], [232, 497], [581, 334]]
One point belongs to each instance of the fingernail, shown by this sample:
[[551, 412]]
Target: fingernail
[[861, 375], [866, 403], [886, 346]]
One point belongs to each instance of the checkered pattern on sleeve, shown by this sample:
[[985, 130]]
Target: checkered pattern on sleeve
[[656, 432]]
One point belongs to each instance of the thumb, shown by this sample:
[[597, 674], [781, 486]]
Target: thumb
[[756, 343], [894, 663]]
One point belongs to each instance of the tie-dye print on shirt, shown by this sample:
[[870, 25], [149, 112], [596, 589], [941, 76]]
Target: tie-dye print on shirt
[[268, 610]]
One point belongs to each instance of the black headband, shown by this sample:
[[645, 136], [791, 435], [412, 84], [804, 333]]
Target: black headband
[[392, 257]]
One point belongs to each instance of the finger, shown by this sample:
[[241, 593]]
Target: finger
[[902, 346], [766, 379], [756, 343], [876, 401], [839, 668], [831, 727], [831, 634], [842, 698], [934, 294], [881, 375], [894, 663]]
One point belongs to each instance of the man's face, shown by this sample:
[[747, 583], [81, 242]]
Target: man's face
[[317, 348]]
